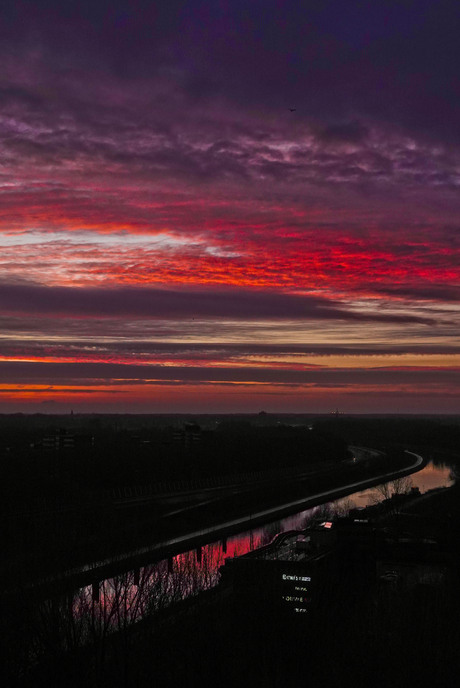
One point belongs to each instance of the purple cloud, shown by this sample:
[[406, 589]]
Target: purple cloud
[[14, 372], [201, 303]]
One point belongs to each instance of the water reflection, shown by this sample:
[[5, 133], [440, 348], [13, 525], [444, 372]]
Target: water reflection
[[187, 575], [115, 604], [429, 478]]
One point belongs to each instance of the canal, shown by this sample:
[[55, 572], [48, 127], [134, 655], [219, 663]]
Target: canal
[[129, 597], [85, 623]]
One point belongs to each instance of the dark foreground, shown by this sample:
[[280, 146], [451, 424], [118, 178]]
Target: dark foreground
[[359, 630]]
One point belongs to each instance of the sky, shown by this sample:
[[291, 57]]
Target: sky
[[229, 206]]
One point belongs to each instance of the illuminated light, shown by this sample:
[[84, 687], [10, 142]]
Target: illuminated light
[[326, 524], [135, 253]]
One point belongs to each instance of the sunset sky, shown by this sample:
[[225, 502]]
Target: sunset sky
[[229, 206]]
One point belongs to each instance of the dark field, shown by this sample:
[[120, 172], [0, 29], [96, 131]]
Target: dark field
[[66, 486]]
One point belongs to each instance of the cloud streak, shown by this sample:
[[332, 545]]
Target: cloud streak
[[163, 303], [118, 374]]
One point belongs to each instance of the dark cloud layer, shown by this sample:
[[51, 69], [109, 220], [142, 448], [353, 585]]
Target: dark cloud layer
[[112, 373], [126, 347], [190, 303], [390, 60], [424, 292]]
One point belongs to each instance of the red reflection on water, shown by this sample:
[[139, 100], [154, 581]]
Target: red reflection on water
[[133, 595]]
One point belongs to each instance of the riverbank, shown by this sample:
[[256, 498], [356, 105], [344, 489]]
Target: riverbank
[[156, 537], [408, 631], [360, 619]]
